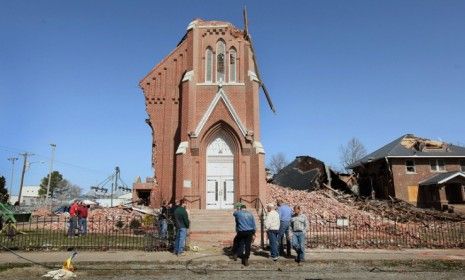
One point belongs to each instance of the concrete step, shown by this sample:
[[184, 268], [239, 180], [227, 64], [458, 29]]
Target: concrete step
[[213, 226], [213, 222]]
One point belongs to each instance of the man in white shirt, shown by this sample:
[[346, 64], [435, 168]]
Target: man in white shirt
[[272, 228]]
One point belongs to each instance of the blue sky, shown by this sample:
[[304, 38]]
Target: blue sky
[[69, 73]]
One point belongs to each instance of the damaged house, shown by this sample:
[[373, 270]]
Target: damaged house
[[420, 171], [308, 173]]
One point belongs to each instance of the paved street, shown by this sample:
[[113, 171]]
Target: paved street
[[322, 264]]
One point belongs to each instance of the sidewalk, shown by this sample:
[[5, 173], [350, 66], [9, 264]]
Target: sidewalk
[[166, 257]]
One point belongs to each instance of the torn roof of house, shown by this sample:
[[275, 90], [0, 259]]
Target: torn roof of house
[[408, 146]]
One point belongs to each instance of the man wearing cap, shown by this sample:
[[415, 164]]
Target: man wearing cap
[[245, 228], [272, 229]]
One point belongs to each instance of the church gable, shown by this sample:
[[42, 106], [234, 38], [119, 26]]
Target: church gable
[[220, 97]]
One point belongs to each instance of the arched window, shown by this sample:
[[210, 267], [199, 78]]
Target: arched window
[[208, 65], [232, 65], [220, 57]]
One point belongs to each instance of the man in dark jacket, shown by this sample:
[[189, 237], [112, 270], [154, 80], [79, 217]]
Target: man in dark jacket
[[162, 221], [182, 224], [73, 218], [245, 228]]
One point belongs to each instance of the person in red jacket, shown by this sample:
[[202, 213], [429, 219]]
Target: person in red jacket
[[83, 211], [73, 218]]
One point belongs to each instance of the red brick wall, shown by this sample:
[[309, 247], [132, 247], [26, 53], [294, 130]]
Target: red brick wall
[[175, 108], [402, 179]]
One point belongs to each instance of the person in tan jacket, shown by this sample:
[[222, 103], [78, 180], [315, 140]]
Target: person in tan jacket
[[272, 228]]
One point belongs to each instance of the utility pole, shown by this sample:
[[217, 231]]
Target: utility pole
[[50, 172], [12, 159], [25, 155], [115, 185]]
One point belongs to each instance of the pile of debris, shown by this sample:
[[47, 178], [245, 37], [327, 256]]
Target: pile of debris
[[99, 220], [42, 212], [318, 204], [328, 204], [399, 210], [112, 219]]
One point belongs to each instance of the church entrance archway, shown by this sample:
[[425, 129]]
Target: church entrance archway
[[220, 173]]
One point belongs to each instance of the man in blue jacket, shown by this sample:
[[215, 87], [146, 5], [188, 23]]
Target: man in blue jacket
[[245, 228], [285, 215]]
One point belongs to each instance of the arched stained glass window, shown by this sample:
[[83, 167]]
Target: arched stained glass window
[[208, 65], [220, 57], [232, 65]]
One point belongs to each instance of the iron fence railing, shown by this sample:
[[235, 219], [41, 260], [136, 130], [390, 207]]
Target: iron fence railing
[[125, 233], [141, 233], [384, 233]]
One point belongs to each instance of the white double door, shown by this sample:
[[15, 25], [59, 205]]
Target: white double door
[[220, 192], [220, 174]]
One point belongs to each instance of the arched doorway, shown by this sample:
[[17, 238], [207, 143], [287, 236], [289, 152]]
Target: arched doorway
[[220, 173]]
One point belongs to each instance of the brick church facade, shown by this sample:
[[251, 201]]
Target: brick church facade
[[203, 106]]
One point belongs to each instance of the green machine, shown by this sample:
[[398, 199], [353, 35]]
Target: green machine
[[9, 214], [6, 213]]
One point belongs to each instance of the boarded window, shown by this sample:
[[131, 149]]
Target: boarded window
[[437, 165], [412, 193], [410, 166], [208, 65], [220, 56], [232, 65]]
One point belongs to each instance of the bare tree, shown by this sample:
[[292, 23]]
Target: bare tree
[[351, 152], [277, 162], [67, 190]]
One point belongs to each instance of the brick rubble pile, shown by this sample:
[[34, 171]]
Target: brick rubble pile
[[99, 219], [328, 205]]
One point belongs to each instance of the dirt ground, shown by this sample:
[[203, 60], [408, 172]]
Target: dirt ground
[[267, 269]]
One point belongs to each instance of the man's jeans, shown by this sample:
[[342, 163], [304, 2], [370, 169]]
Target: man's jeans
[[83, 226], [284, 230], [273, 237], [244, 241], [180, 241], [72, 226], [163, 228], [298, 243]]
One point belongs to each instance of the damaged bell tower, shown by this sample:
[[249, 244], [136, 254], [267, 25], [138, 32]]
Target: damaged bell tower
[[203, 106]]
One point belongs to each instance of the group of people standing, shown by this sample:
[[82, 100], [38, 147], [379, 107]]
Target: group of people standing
[[178, 213], [282, 221], [78, 212]]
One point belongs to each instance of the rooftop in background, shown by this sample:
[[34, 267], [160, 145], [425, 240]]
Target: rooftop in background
[[410, 145], [32, 191]]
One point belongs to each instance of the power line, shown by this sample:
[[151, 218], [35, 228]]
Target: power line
[[15, 150]]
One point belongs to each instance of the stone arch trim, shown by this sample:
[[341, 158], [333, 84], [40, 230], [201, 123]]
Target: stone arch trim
[[220, 95], [225, 129]]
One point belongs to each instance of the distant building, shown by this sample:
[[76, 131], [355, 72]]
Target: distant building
[[421, 171], [13, 199], [30, 195]]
